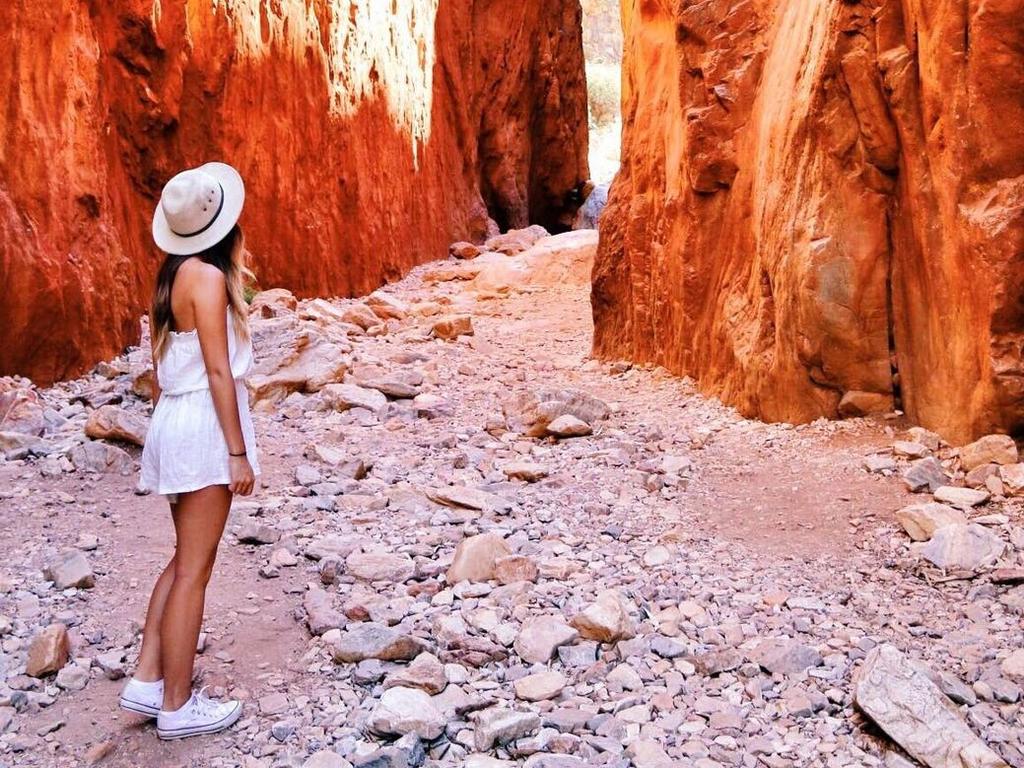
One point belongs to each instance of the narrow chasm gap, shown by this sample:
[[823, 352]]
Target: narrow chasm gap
[[897, 392]]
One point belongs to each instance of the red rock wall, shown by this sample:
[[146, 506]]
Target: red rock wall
[[823, 198], [370, 136]]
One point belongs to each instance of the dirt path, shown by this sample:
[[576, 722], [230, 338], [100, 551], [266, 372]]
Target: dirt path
[[752, 514]]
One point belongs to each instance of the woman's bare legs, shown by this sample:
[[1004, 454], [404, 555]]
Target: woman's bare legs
[[149, 668], [199, 520]]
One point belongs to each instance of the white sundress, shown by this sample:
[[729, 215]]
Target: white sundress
[[185, 448]]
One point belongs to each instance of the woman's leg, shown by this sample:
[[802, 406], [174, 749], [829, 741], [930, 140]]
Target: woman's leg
[[199, 522], [149, 668]]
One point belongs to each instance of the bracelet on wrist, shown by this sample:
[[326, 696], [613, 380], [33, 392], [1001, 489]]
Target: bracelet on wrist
[[243, 453]]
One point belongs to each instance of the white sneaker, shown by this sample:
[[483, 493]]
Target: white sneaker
[[199, 715], [143, 698]]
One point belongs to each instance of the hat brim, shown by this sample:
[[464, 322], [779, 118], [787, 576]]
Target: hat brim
[[234, 199]]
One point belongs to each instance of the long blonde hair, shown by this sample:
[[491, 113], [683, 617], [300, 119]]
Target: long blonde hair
[[229, 257]]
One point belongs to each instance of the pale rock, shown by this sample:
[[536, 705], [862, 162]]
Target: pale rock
[[910, 449], [922, 520], [308, 365], [361, 315], [476, 557], [569, 426], [274, 302], [73, 677], [964, 498], [540, 686], [879, 464], [334, 545], [906, 704], [625, 677], [647, 753], [529, 471], [463, 250], [991, 449], [1012, 476], [342, 397], [425, 672], [108, 422], [70, 569], [320, 614], [485, 761], [101, 458], [468, 498], [655, 556], [925, 475], [781, 656], [396, 568], [925, 437], [540, 637], [963, 547], [387, 306], [407, 710], [326, 759], [1013, 665], [498, 726], [514, 569], [375, 641], [254, 532], [530, 413], [606, 620]]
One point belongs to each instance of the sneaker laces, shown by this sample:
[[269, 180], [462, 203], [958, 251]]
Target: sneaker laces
[[203, 704]]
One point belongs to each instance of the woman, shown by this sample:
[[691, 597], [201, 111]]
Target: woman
[[200, 449]]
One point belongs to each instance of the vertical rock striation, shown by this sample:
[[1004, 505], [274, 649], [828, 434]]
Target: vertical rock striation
[[822, 204], [370, 135]]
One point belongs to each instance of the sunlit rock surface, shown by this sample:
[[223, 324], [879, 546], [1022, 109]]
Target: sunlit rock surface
[[370, 134], [823, 198]]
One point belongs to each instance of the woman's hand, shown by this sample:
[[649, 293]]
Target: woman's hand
[[242, 478]]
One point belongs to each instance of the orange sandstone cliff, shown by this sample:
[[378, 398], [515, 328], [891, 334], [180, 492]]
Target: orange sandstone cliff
[[821, 207], [370, 134]]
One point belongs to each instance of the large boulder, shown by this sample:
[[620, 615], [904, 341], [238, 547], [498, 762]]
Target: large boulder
[[108, 422], [531, 412]]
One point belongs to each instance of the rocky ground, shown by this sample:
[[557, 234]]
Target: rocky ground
[[475, 546]]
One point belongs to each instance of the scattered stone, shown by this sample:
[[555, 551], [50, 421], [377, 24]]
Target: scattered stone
[[320, 614], [606, 620], [920, 521], [425, 672], [476, 557], [569, 426], [273, 704], [407, 710], [342, 397], [73, 677], [531, 413], [380, 566], [540, 637], [70, 569], [468, 498], [48, 652], [326, 759], [100, 458], [781, 656], [1013, 665], [855, 404], [963, 546], [646, 753], [964, 498], [360, 315], [1012, 476], [529, 471], [514, 569], [255, 532], [879, 464], [903, 701], [540, 686], [450, 328], [108, 422], [463, 250], [375, 641], [925, 475], [499, 726], [910, 449], [991, 449]]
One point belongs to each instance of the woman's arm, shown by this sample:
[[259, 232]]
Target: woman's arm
[[210, 303]]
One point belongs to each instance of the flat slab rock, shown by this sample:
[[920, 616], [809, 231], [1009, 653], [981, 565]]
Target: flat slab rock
[[899, 696], [965, 546]]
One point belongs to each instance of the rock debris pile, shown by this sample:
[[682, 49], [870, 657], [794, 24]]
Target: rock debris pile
[[477, 547]]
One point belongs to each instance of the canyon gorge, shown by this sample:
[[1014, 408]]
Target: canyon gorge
[[821, 207], [370, 135]]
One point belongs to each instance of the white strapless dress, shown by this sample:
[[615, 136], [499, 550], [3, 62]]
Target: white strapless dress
[[185, 448]]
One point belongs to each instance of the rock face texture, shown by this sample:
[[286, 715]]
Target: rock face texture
[[370, 135], [820, 200]]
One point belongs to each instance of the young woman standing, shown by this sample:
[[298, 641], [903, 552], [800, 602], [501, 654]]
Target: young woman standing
[[200, 448]]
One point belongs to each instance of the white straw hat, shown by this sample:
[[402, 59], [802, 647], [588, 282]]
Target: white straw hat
[[198, 208]]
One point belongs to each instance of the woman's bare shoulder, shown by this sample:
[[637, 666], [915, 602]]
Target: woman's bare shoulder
[[203, 283]]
